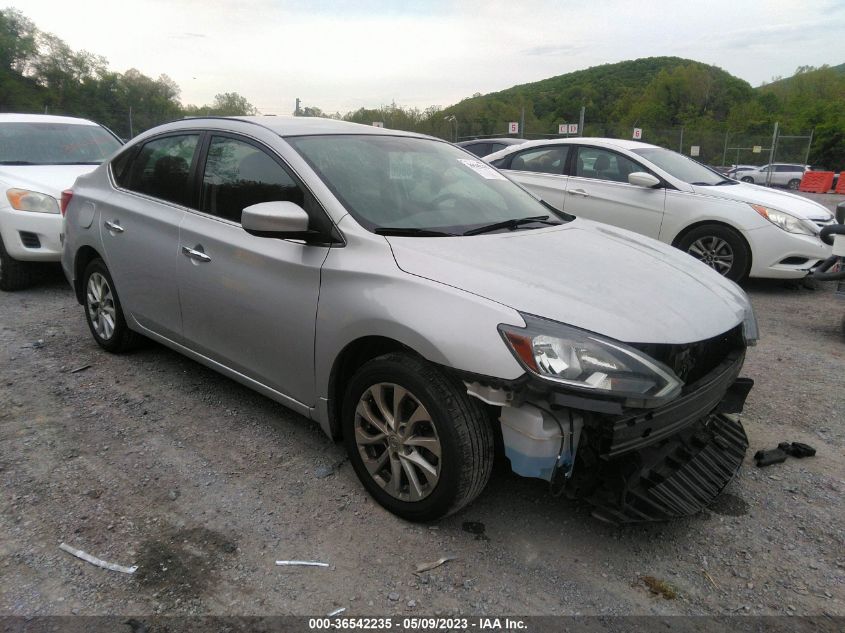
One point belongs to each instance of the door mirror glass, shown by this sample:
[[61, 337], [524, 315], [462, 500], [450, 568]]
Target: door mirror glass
[[642, 179], [276, 219]]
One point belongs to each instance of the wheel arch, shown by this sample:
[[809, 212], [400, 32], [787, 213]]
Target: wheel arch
[[84, 256], [687, 229], [347, 362]]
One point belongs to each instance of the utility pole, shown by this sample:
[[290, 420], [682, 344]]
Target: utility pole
[[522, 124], [296, 112], [725, 153], [681, 143], [581, 122], [772, 155], [131, 131]]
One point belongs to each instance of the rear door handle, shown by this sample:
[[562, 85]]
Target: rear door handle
[[578, 192], [113, 227], [195, 254]]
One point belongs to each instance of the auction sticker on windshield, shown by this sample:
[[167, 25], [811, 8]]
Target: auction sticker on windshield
[[482, 169]]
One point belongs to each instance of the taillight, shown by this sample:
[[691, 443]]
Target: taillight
[[67, 194]]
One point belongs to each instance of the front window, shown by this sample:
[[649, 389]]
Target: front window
[[54, 144], [683, 168], [393, 182]]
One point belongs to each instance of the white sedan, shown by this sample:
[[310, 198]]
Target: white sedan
[[740, 230]]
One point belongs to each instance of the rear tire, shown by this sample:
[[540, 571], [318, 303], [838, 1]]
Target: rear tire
[[720, 247], [448, 457], [748, 179], [103, 311], [14, 275], [794, 184]]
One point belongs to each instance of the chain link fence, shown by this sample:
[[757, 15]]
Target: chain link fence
[[715, 146]]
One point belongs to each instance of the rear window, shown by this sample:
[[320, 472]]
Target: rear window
[[54, 144]]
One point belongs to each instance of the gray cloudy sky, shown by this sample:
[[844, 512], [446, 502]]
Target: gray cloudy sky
[[342, 55]]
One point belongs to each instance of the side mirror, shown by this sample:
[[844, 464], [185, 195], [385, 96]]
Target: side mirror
[[276, 219], [642, 179]]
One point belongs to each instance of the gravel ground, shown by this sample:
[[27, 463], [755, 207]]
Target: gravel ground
[[154, 460]]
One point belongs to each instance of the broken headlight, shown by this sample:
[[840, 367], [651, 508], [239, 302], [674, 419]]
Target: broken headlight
[[589, 362]]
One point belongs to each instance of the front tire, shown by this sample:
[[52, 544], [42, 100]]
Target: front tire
[[14, 275], [421, 446], [748, 179], [794, 184], [103, 311], [720, 247]]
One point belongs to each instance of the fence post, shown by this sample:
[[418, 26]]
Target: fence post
[[131, 133], [725, 153], [809, 145], [581, 123], [772, 155], [681, 143]]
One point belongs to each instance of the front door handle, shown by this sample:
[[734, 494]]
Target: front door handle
[[194, 254], [579, 192], [113, 227]]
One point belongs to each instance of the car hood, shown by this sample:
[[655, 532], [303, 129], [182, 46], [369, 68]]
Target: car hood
[[781, 200], [49, 179], [596, 277]]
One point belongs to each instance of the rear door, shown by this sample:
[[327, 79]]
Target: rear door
[[248, 302], [541, 171], [599, 190], [140, 228]]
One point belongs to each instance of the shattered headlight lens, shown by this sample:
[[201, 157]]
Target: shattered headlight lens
[[24, 200], [589, 362], [785, 221]]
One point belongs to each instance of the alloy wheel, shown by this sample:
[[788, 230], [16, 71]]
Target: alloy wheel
[[100, 304], [713, 251], [398, 442]]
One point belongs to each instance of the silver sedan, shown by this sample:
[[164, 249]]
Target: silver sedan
[[417, 304]]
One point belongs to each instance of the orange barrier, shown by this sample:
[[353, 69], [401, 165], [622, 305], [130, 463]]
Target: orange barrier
[[840, 184], [817, 181]]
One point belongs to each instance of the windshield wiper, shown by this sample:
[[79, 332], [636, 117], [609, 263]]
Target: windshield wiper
[[510, 224], [411, 231]]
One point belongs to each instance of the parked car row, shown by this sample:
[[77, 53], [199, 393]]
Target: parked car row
[[424, 308]]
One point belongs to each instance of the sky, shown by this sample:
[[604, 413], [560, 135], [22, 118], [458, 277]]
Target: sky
[[341, 55]]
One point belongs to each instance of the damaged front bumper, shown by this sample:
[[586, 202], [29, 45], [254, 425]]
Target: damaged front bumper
[[631, 464]]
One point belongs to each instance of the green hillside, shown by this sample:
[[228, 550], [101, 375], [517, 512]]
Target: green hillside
[[677, 102]]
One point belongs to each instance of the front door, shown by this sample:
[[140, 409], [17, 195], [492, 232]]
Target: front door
[[599, 190], [249, 303]]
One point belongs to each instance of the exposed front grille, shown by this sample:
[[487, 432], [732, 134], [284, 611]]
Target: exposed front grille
[[693, 361], [30, 240], [679, 478]]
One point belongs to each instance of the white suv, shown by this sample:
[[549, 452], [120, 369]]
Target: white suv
[[40, 156], [782, 175]]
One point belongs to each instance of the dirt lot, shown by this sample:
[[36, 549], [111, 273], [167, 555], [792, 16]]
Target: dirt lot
[[151, 459]]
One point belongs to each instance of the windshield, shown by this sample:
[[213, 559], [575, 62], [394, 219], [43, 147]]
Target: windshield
[[54, 144], [683, 168], [393, 182]]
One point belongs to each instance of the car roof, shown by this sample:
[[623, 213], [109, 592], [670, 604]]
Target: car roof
[[505, 140], [288, 125], [581, 140], [43, 118]]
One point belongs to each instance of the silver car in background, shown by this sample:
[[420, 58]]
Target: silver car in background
[[418, 304]]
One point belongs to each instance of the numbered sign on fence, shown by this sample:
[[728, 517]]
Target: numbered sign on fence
[[573, 128], [562, 128], [638, 133], [513, 127], [378, 123], [694, 150]]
